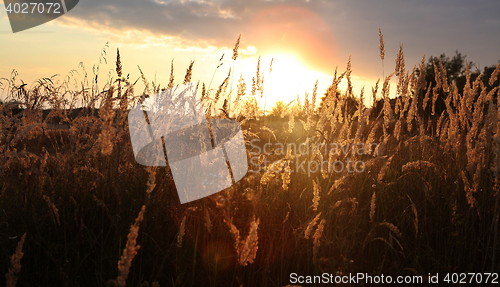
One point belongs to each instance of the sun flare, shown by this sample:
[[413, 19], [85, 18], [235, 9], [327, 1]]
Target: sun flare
[[287, 79]]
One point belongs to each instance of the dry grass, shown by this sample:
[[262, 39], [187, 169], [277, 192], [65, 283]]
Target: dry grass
[[130, 250], [15, 261], [428, 200]]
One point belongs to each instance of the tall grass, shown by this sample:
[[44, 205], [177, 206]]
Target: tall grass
[[428, 200]]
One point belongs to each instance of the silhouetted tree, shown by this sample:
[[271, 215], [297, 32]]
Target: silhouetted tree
[[455, 69]]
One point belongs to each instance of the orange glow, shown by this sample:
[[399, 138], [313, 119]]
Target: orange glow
[[289, 77], [218, 255], [295, 31]]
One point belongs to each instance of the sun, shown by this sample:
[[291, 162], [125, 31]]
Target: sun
[[297, 31], [287, 79]]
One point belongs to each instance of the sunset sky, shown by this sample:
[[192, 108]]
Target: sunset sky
[[307, 39]]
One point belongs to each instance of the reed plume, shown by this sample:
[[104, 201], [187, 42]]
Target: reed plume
[[130, 249], [15, 261], [171, 79], [316, 239], [236, 46], [311, 225], [182, 230], [382, 50], [53, 208], [372, 207], [250, 245], [316, 197], [189, 73]]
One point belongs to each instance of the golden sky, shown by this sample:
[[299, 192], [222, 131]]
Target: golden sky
[[307, 40]]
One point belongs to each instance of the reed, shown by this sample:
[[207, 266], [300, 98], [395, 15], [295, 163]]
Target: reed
[[427, 201]]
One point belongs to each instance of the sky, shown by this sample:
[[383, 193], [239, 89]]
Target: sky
[[307, 40]]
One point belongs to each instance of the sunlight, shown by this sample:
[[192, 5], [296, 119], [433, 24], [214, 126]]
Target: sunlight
[[289, 77]]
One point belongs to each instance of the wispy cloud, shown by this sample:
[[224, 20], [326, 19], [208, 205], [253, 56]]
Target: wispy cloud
[[323, 32], [327, 27], [212, 22]]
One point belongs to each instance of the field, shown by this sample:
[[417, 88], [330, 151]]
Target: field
[[407, 187]]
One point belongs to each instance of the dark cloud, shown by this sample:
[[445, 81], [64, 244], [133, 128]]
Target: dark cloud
[[342, 27], [209, 21]]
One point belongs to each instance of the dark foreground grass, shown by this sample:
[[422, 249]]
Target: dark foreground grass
[[427, 200]]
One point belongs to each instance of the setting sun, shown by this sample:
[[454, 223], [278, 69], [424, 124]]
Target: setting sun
[[287, 78]]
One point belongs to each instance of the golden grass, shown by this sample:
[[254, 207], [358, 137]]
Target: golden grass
[[130, 250], [15, 262], [428, 200]]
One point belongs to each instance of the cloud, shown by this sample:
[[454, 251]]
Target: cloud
[[267, 25], [212, 22], [324, 32]]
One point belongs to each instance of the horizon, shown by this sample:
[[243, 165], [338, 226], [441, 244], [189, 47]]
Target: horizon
[[305, 40]]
